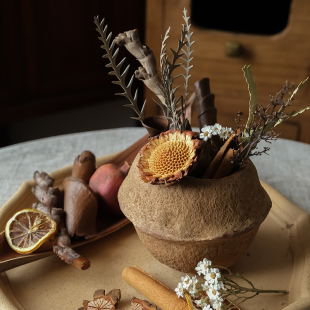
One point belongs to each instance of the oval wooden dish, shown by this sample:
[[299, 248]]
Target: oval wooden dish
[[279, 258]]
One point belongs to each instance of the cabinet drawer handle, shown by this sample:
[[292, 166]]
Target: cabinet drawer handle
[[233, 49]]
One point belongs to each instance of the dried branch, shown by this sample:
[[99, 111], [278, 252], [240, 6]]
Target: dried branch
[[116, 69], [262, 120]]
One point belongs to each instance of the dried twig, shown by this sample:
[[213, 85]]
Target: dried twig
[[116, 69]]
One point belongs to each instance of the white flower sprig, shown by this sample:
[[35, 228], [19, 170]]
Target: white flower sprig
[[211, 292], [207, 132]]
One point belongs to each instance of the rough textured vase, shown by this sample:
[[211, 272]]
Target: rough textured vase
[[196, 218]]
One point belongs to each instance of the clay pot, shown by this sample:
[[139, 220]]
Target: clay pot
[[196, 218]]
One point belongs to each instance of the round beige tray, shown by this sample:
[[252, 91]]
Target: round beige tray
[[279, 258]]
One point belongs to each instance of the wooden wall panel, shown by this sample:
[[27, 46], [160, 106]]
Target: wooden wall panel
[[274, 59], [52, 59]]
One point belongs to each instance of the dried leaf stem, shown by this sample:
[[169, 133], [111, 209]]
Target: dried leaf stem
[[234, 289], [116, 69], [187, 52], [167, 68]]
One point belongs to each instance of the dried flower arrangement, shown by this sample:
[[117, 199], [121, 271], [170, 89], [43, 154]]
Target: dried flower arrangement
[[260, 123], [205, 202], [212, 292]]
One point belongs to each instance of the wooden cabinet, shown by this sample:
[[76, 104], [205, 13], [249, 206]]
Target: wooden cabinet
[[274, 59]]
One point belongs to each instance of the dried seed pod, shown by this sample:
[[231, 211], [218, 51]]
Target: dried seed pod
[[80, 202], [138, 304], [84, 166], [169, 157], [103, 301]]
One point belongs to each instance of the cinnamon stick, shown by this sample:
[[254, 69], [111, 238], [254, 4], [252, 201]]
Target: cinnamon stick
[[224, 162], [153, 289]]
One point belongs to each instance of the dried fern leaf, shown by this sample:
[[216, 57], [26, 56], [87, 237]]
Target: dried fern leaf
[[248, 74], [163, 50], [187, 53], [116, 69]]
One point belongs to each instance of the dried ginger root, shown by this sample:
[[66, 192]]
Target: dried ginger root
[[47, 196]]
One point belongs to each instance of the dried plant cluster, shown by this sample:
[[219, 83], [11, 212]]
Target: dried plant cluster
[[161, 84], [262, 120], [177, 111], [212, 289]]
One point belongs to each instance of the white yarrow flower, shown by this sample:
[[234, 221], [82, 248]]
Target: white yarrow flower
[[226, 133], [203, 266], [217, 128], [186, 282], [206, 133], [208, 307], [213, 275], [213, 294], [179, 290], [218, 304], [193, 289]]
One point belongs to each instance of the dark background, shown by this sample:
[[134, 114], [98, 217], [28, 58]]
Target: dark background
[[53, 79]]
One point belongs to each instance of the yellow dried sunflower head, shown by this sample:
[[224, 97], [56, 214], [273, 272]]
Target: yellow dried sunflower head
[[168, 158]]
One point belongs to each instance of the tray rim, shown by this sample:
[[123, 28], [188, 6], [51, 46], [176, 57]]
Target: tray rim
[[282, 209]]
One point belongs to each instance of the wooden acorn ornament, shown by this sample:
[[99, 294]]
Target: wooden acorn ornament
[[80, 202]]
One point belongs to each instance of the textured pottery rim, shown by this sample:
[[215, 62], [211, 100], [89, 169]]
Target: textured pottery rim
[[235, 236]]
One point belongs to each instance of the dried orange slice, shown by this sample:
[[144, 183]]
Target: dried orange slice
[[28, 229]]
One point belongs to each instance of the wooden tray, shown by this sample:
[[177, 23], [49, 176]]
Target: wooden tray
[[279, 258]]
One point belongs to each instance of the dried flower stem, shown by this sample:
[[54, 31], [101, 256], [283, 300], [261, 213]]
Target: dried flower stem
[[117, 67]]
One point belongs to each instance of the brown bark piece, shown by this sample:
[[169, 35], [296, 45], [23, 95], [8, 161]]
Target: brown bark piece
[[216, 162], [226, 166], [137, 304], [207, 113]]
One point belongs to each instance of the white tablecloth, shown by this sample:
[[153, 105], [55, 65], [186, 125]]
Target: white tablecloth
[[287, 168]]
